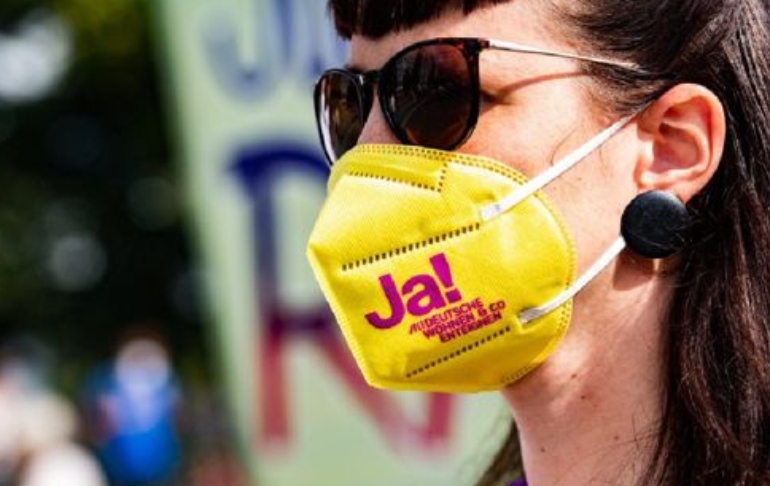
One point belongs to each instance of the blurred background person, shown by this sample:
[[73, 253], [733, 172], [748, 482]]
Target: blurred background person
[[38, 426], [132, 406]]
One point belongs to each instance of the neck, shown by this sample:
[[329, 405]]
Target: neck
[[589, 415]]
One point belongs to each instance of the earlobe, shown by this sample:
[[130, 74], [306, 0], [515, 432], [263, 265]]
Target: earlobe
[[685, 134]]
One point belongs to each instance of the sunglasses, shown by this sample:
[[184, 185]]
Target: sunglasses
[[428, 92]]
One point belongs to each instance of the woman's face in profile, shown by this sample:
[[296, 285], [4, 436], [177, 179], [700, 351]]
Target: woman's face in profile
[[534, 110]]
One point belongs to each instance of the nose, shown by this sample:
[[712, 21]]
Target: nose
[[376, 129]]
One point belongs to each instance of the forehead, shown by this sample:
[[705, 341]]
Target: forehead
[[525, 21]]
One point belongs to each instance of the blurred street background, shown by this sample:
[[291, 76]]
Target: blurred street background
[[159, 324], [100, 298]]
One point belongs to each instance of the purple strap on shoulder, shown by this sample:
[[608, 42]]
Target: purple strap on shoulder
[[519, 482]]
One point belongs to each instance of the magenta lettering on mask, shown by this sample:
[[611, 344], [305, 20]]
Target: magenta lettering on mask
[[423, 294]]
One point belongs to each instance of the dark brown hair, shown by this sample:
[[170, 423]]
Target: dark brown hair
[[715, 429]]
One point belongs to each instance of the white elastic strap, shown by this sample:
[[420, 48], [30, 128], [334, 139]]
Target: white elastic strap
[[600, 264], [497, 208]]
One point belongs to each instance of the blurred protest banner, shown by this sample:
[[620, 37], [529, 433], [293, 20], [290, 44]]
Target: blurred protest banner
[[239, 80]]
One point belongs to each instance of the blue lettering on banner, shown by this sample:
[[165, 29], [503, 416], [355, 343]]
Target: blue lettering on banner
[[257, 168], [293, 41]]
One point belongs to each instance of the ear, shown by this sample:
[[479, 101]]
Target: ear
[[684, 131]]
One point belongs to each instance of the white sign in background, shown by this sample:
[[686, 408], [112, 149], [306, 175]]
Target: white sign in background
[[239, 82]]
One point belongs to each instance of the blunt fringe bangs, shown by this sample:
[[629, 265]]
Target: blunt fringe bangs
[[377, 18]]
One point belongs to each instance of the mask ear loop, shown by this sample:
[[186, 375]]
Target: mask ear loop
[[535, 184], [495, 209], [600, 264]]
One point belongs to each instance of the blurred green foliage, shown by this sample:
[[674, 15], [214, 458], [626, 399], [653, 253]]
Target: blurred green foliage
[[112, 31], [92, 158]]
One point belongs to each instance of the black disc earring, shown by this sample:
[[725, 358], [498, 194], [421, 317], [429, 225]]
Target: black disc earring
[[654, 224]]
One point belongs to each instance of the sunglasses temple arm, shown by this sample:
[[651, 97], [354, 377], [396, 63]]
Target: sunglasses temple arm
[[524, 49]]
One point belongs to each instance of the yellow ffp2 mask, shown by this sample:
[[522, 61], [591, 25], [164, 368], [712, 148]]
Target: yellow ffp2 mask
[[446, 272]]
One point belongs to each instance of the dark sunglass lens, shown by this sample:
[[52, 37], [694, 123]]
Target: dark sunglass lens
[[339, 112], [430, 96]]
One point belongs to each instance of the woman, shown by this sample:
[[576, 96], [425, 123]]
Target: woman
[[611, 110]]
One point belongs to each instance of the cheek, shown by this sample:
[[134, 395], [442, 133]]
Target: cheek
[[518, 143], [592, 196], [536, 127]]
